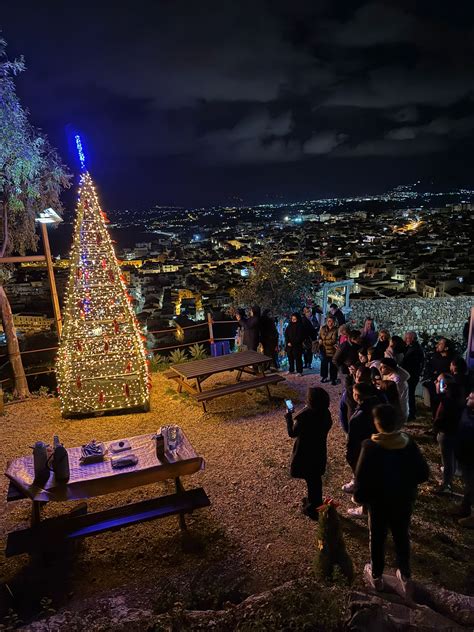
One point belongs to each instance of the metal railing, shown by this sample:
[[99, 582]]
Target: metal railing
[[171, 330]]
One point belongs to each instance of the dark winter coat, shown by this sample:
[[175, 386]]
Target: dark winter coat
[[346, 355], [361, 427], [389, 469], [448, 415], [252, 330], [413, 360], [311, 332], [328, 338], [295, 334], [268, 333], [340, 318], [379, 349], [437, 364], [310, 428], [464, 449]]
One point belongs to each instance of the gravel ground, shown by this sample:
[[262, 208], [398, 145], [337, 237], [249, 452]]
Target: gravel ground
[[253, 536]]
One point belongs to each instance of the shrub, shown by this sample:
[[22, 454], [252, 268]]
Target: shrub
[[197, 352], [178, 356]]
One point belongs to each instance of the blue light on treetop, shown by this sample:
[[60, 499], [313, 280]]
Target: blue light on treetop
[[80, 151]]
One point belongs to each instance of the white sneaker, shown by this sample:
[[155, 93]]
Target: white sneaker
[[405, 584], [376, 583], [357, 512], [348, 487], [299, 374]]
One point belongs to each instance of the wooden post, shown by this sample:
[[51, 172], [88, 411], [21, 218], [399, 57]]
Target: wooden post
[[211, 330], [2, 407], [52, 282], [20, 383]]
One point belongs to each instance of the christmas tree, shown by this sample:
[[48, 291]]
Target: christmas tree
[[101, 363]]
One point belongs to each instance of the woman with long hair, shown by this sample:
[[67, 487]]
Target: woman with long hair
[[310, 428]]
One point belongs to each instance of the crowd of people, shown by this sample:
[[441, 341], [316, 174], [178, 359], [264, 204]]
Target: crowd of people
[[380, 373]]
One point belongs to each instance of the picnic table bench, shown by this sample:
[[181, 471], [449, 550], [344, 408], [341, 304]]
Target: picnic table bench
[[248, 362], [87, 481]]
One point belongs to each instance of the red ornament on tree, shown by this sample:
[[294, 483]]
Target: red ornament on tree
[[111, 276], [103, 263], [78, 345], [101, 397], [116, 326], [99, 239], [79, 273], [128, 368], [126, 389], [79, 382]]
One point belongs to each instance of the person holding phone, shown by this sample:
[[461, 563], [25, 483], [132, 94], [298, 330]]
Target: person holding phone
[[445, 426], [310, 428]]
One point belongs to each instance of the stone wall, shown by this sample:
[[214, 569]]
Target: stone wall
[[436, 316]]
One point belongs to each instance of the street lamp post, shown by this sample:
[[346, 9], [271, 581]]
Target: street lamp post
[[49, 216]]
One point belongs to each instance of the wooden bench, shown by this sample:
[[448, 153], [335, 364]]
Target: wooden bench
[[239, 386], [80, 524]]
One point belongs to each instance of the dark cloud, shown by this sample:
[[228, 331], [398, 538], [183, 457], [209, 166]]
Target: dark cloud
[[250, 83]]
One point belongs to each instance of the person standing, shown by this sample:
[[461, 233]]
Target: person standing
[[413, 363], [390, 370], [337, 314], [310, 428], [439, 362], [294, 337], [381, 345], [464, 452], [445, 425], [311, 328], [347, 355], [327, 346], [388, 472], [361, 426], [368, 334], [269, 337], [252, 329], [240, 317]]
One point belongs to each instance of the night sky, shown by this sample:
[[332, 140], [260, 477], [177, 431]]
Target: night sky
[[186, 102]]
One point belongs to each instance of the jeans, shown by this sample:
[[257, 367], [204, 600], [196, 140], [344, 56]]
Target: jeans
[[327, 364], [468, 480], [295, 356], [447, 443], [412, 384], [395, 518], [315, 493]]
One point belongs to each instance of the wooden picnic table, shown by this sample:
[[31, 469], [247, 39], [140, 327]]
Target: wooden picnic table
[[97, 479], [249, 362]]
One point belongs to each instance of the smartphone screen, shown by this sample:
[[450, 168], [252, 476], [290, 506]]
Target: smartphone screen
[[289, 405], [442, 386]]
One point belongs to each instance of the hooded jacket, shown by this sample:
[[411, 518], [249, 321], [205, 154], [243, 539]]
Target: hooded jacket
[[389, 470], [295, 333], [400, 377]]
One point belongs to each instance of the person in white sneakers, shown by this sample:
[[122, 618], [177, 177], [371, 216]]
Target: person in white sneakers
[[388, 472]]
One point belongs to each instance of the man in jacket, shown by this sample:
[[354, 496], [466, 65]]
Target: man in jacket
[[347, 355], [388, 472], [311, 328], [361, 427], [413, 363], [337, 314], [389, 370]]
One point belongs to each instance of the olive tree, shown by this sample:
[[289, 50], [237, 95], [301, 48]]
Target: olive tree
[[31, 179]]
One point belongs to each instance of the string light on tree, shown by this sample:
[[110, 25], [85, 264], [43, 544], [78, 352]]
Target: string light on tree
[[101, 363]]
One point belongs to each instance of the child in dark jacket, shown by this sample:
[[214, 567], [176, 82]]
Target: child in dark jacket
[[310, 429], [388, 472]]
